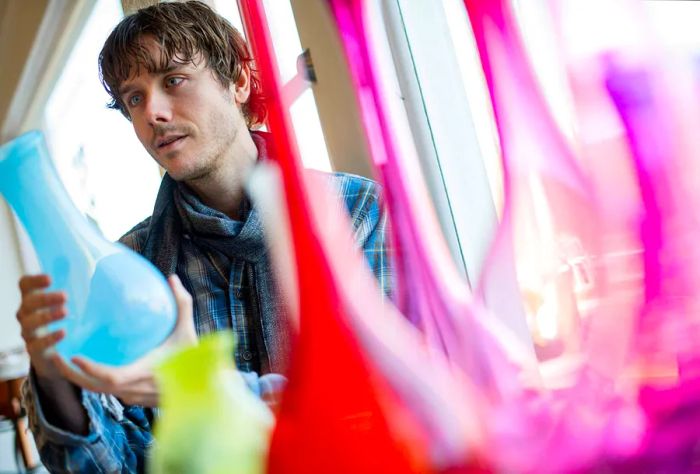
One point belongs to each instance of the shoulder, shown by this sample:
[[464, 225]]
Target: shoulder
[[136, 237], [362, 199], [352, 184], [360, 195]]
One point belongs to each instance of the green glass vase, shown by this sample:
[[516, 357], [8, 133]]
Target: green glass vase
[[210, 423]]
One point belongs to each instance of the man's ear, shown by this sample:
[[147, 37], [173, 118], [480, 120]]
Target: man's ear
[[241, 88]]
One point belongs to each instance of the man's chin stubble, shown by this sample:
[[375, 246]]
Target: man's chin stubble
[[197, 178]]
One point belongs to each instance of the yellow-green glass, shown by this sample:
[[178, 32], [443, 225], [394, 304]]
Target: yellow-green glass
[[211, 423]]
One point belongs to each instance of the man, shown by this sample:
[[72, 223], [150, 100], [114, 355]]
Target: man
[[184, 78]]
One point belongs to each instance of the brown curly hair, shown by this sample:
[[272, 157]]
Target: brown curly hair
[[183, 30]]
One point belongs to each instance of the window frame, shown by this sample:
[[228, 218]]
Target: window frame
[[453, 163]]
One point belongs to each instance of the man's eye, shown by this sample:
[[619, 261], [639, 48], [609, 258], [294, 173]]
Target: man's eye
[[134, 100], [173, 81]]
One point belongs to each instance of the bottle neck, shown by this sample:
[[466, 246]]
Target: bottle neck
[[30, 184], [198, 372]]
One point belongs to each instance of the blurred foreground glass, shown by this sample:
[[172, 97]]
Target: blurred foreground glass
[[211, 422], [119, 305]]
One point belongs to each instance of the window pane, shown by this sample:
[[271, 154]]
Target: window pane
[[284, 34], [677, 23], [229, 10], [312, 145], [107, 173], [305, 119]]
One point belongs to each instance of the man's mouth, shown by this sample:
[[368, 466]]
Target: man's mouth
[[169, 141]]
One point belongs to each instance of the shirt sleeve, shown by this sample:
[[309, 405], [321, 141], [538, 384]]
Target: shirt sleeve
[[268, 388], [375, 246], [118, 437], [370, 225]]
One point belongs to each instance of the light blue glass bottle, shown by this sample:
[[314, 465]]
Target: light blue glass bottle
[[119, 305]]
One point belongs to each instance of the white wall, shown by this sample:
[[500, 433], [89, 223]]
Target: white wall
[[10, 271]]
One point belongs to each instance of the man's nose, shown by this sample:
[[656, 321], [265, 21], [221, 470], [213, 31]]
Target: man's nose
[[158, 108]]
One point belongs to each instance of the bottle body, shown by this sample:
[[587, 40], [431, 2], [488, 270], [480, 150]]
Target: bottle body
[[211, 422], [119, 306]]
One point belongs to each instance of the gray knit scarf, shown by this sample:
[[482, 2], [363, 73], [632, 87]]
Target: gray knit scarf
[[179, 211]]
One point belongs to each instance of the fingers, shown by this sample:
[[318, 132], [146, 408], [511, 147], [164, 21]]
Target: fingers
[[184, 331], [37, 301], [133, 384], [182, 297], [29, 283], [38, 319], [72, 375], [39, 345], [109, 377], [38, 307]]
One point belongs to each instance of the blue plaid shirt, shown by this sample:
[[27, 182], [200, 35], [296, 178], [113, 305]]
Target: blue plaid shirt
[[120, 436]]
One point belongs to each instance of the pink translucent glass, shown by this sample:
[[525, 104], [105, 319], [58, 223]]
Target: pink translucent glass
[[430, 291], [604, 225]]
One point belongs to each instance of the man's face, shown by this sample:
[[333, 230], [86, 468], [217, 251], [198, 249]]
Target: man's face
[[187, 121]]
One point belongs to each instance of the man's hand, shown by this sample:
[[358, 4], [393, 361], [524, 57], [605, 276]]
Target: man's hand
[[135, 383], [37, 309]]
